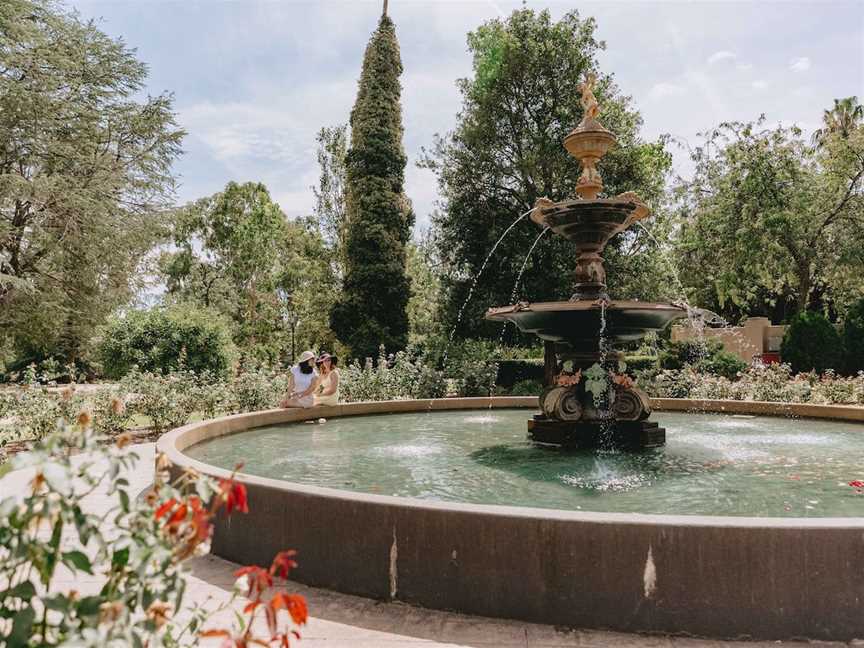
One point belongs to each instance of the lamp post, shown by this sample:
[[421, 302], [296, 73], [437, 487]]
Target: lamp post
[[290, 317]]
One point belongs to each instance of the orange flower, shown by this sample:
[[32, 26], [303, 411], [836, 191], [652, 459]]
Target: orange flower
[[234, 496], [259, 579], [37, 482], [117, 406], [283, 563], [109, 612], [159, 612], [84, 418], [166, 506], [294, 603], [123, 440]]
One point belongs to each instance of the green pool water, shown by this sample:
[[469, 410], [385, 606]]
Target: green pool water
[[711, 465]]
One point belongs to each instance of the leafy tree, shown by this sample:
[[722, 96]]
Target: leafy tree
[[811, 343], [166, 340], [772, 220], [506, 151], [330, 192], [237, 253], [372, 308], [853, 338], [846, 115], [85, 175], [423, 317]]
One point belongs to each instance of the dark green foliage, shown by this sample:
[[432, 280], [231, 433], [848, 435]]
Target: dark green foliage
[[707, 356], [811, 343], [637, 363], [723, 363], [163, 340], [511, 372], [853, 338], [506, 151], [372, 310], [527, 388]]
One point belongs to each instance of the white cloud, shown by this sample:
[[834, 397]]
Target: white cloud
[[744, 67], [722, 55], [759, 84], [800, 64], [662, 90]]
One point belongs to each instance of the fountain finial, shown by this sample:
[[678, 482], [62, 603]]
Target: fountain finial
[[589, 141], [589, 102]]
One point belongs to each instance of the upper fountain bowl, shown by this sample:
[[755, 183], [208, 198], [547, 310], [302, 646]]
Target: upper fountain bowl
[[590, 223]]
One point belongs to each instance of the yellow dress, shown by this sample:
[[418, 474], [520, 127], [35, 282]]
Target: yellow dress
[[331, 399]]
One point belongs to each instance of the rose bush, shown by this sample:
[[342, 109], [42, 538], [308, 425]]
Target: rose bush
[[138, 560]]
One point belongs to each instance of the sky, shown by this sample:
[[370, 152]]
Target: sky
[[254, 80]]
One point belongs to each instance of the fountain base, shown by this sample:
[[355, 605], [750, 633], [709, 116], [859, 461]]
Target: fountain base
[[589, 435]]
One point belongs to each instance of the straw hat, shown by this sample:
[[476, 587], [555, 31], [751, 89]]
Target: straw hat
[[306, 355]]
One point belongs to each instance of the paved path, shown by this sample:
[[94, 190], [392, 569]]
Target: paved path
[[342, 621]]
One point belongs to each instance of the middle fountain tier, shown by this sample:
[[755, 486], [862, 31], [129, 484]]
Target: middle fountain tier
[[589, 400]]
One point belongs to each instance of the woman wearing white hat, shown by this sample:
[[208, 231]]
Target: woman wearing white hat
[[302, 382]]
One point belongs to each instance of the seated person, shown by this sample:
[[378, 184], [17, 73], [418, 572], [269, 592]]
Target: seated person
[[328, 382], [302, 382]]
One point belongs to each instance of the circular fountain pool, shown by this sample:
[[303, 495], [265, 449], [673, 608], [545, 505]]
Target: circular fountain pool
[[443, 504], [712, 464]]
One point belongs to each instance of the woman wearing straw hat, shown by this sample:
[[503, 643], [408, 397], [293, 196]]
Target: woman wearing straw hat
[[302, 382], [328, 383]]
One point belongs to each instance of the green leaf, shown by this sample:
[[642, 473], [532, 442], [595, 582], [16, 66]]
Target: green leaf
[[22, 627], [59, 602], [78, 561], [124, 500], [24, 591], [89, 605], [120, 558]]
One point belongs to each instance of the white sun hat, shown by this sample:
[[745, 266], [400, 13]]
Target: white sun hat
[[306, 355]]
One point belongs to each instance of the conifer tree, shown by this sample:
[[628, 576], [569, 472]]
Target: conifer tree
[[372, 310]]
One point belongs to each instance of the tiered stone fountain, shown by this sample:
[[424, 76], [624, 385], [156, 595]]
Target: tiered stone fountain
[[589, 400]]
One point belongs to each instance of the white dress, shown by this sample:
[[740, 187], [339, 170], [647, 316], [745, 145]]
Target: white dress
[[302, 382]]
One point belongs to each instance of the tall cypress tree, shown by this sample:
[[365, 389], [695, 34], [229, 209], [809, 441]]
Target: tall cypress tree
[[373, 307]]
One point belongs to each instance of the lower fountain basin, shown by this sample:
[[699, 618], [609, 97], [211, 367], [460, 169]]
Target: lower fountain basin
[[720, 576], [577, 324]]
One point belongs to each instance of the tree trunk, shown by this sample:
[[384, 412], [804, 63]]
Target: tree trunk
[[805, 285]]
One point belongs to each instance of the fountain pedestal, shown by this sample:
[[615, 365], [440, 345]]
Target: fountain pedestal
[[621, 435]]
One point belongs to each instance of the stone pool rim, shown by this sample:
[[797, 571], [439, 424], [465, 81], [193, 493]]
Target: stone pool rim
[[350, 546]]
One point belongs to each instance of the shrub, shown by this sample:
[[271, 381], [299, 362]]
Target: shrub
[[639, 363], [136, 561], [397, 377], [527, 388], [706, 356], [511, 372], [811, 343], [168, 401], [853, 338], [723, 363], [163, 340], [260, 389]]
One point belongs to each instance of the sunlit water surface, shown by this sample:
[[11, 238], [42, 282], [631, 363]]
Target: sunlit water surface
[[711, 465]]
